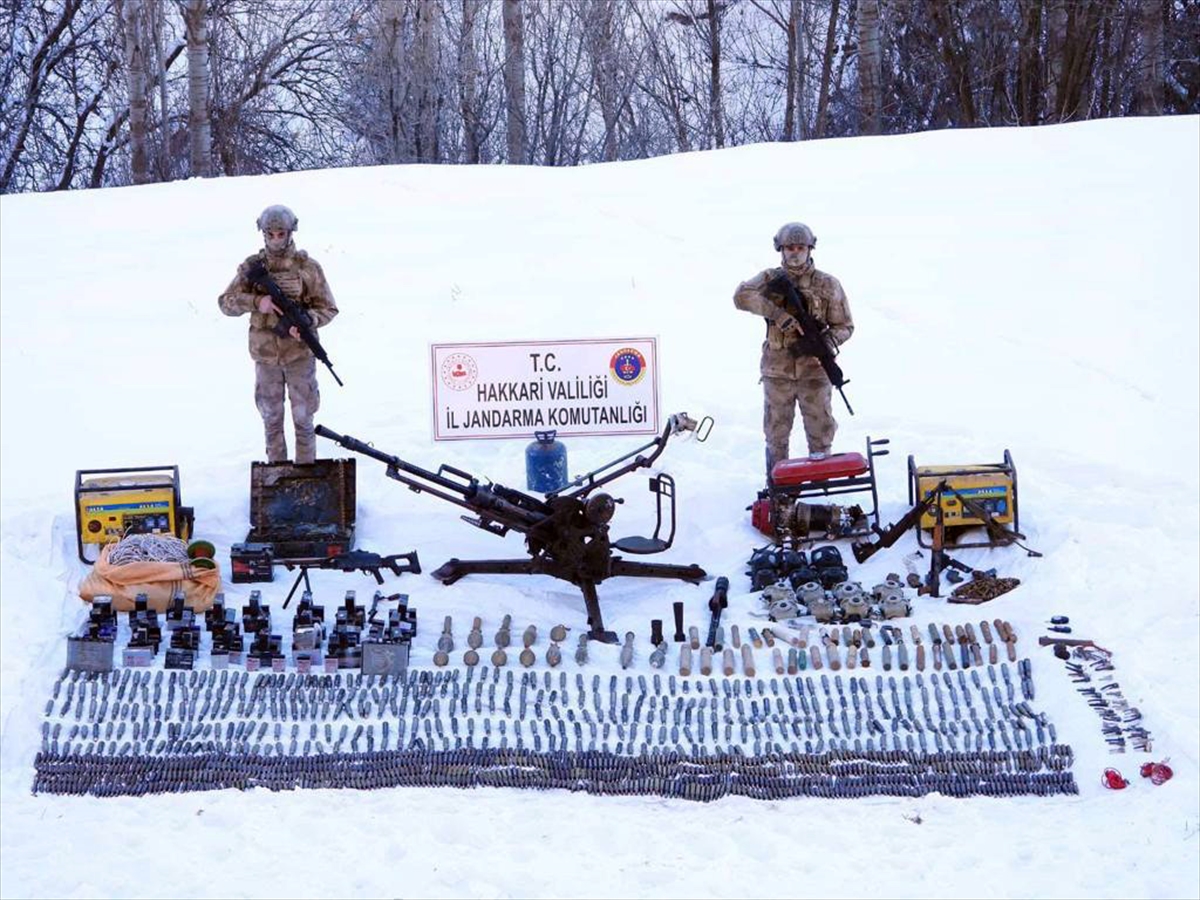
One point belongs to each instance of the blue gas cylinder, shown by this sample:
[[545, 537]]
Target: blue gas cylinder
[[546, 463]]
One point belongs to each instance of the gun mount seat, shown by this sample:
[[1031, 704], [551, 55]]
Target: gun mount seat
[[635, 544], [661, 485]]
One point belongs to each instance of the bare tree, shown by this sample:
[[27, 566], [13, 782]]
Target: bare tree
[[826, 72], [1077, 40], [705, 23], [664, 84], [786, 15], [468, 79], [132, 19], [91, 95], [274, 66], [1149, 100], [797, 50], [870, 78], [426, 65], [473, 80], [386, 64], [40, 45], [562, 89], [1181, 93], [955, 55], [599, 21], [514, 79], [155, 26], [1029, 79], [195, 17], [715, 104]]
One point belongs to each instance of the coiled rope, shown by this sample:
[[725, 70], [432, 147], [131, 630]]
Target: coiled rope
[[148, 548]]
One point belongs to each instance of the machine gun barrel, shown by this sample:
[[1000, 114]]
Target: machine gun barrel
[[511, 508], [354, 444]]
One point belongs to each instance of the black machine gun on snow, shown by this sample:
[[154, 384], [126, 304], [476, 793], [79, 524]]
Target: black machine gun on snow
[[566, 534], [352, 561], [816, 341], [291, 315]]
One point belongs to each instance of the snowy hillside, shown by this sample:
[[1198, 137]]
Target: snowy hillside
[[1035, 290]]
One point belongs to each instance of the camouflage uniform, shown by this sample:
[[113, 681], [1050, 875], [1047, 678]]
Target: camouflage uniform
[[789, 380], [283, 364]]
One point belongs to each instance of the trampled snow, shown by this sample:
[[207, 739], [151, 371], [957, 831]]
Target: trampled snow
[[1034, 290]]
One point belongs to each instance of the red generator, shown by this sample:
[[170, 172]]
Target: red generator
[[782, 511]]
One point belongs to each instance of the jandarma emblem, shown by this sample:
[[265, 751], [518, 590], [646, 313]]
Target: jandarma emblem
[[459, 372], [627, 365]]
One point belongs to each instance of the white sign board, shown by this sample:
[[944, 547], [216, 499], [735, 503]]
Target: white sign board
[[512, 389]]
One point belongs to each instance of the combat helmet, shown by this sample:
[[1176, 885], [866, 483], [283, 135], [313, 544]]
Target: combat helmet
[[277, 217], [794, 233]]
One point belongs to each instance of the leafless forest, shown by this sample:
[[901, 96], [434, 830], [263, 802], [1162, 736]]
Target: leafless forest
[[96, 93]]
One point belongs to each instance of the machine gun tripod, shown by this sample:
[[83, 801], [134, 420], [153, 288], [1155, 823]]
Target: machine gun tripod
[[566, 534]]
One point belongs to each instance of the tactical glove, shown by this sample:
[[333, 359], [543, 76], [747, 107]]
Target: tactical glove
[[785, 321]]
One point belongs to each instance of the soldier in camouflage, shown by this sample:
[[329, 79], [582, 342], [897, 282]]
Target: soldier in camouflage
[[283, 365], [791, 376]]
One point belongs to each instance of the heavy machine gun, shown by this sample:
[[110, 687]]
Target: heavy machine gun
[[566, 534]]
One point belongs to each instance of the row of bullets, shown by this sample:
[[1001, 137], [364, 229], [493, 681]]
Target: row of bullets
[[951, 647], [702, 778], [201, 696], [208, 694], [783, 711]]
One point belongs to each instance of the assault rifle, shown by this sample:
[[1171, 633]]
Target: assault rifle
[[566, 534], [816, 341], [1070, 642], [291, 315], [352, 561]]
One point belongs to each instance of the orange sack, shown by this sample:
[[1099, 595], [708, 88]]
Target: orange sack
[[159, 581]]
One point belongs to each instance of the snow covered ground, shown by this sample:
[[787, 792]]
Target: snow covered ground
[[1029, 289]]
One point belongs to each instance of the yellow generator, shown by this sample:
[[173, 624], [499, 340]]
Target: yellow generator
[[113, 503], [986, 487]]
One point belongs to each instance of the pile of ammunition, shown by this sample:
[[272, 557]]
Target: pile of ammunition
[[233, 725], [667, 774], [1122, 722]]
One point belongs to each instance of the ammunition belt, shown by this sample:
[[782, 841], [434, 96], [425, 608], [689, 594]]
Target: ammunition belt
[[667, 774]]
